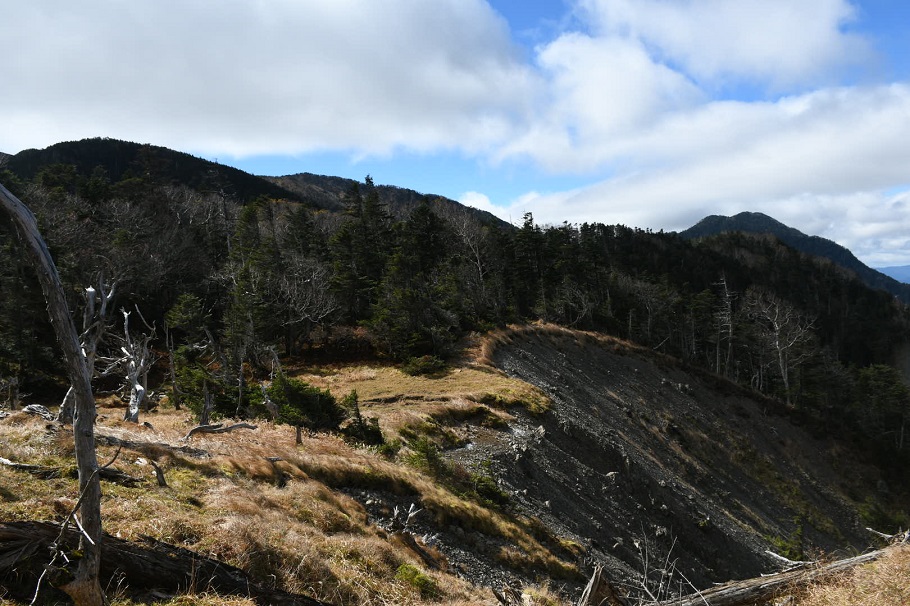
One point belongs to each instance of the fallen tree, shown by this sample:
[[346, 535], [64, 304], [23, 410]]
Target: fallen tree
[[152, 449], [47, 473], [764, 589], [144, 566], [750, 592]]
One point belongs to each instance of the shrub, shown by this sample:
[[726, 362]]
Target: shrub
[[412, 576], [424, 365], [194, 380], [360, 430], [302, 405]]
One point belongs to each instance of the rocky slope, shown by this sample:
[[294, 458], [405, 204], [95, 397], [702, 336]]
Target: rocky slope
[[643, 463]]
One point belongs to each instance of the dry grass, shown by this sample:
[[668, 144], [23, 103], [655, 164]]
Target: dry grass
[[289, 523], [883, 582], [285, 522], [305, 536], [381, 387]]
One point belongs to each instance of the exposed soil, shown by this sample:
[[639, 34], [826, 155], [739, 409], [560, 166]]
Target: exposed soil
[[642, 463]]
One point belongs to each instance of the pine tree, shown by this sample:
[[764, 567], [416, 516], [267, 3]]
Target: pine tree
[[417, 314], [359, 249]]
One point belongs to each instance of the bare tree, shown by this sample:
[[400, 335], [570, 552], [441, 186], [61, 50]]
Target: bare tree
[[136, 361], [723, 316], [11, 387], [304, 292], [786, 329], [474, 236], [95, 319], [84, 588]]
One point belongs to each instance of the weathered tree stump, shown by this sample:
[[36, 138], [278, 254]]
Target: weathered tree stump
[[141, 566]]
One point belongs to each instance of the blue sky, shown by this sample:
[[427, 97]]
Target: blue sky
[[650, 113]]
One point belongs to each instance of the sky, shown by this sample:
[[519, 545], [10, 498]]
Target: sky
[[648, 113]]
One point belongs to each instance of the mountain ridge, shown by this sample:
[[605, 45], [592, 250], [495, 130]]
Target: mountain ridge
[[121, 159], [759, 223]]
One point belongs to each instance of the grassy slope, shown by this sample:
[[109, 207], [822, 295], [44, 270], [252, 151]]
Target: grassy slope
[[309, 536]]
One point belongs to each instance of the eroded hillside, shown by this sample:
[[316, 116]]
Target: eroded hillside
[[575, 450], [638, 455]]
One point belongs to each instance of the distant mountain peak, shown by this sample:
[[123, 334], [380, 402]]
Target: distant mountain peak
[[759, 223], [746, 221]]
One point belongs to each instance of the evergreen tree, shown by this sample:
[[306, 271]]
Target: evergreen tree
[[529, 297], [304, 406], [416, 314], [360, 252]]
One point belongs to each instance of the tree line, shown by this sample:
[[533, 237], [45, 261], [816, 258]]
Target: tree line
[[223, 288]]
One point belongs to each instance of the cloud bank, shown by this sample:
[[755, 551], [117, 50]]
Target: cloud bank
[[251, 77], [668, 111]]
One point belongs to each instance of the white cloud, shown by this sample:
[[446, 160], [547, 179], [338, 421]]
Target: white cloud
[[249, 77], [480, 202], [781, 42], [600, 89], [820, 162]]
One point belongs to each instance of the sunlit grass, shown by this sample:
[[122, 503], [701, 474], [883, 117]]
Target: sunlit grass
[[885, 581], [275, 509]]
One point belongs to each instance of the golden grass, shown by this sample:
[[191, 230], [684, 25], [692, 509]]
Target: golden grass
[[284, 522], [883, 582], [383, 386], [287, 521]]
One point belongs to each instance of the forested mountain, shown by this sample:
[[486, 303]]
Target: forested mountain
[[758, 223], [240, 270], [114, 161], [91, 161], [330, 193]]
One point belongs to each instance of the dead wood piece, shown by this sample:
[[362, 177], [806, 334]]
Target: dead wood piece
[[599, 592], [39, 410], [217, 428], [900, 537], [790, 564], [45, 473], [763, 589], [508, 596], [159, 474], [432, 561], [118, 477], [149, 448], [141, 566], [48, 473]]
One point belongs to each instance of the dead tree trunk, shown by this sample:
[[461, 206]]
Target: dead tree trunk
[[207, 404], [146, 564], [94, 326], [84, 589], [136, 361], [11, 386], [599, 592], [764, 589]]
